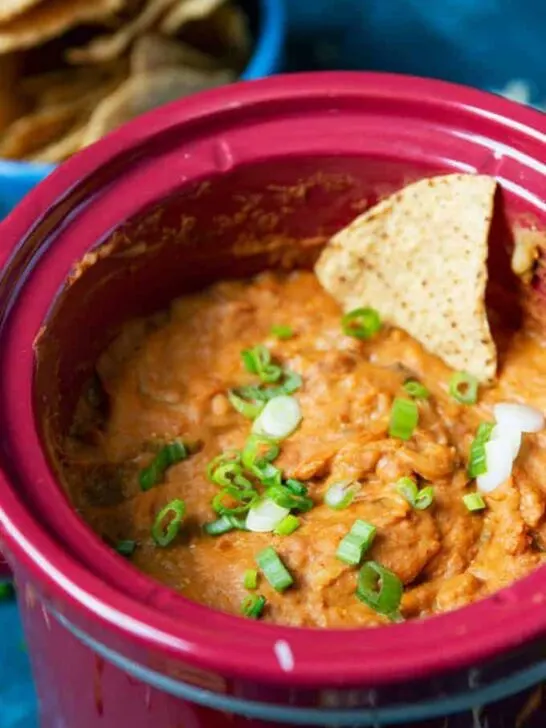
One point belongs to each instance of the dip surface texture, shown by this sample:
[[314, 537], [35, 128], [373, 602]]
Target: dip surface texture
[[167, 378]]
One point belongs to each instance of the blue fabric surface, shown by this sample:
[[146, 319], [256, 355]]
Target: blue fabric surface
[[493, 44], [17, 699]]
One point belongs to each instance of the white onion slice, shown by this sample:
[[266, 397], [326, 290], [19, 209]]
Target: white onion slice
[[279, 418], [265, 516], [509, 435], [498, 458], [520, 416]]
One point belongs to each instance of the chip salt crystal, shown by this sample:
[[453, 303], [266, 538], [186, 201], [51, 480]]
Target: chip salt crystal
[[498, 457], [519, 416], [284, 655]]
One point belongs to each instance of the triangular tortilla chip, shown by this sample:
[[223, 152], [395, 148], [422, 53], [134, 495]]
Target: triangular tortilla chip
[[108, 47], [420, 259], [52, 18], [187, 11], [154, 51], [11, 104], [61, 149], [10, 8], [148, 91]]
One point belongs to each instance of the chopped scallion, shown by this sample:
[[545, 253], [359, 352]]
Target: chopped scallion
[[464, 388], [258, 361], [224, 524], [282, 332], [126, 547], [477, 464], [362, 323], [354, 545], [232, 501], [279, 418], [418, 499], [253, 606], [250, 579], [168, 522], [287, 498], [340, 495], [7, 591], [287, 526], [474, 502], [404, 418], [416, 389], [247, 407], [167, 456], [274, 570], [380, 589]]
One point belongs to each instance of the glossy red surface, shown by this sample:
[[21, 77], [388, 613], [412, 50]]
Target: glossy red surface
[[349, 138]]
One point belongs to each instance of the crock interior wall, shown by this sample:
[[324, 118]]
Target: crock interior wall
[[269, 214]]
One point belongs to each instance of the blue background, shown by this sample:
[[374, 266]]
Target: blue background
[[494, 44]]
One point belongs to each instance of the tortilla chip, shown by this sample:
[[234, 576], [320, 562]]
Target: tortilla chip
[[68, 84], [224, 33], [108, 47], [154, 51], [32, 132], [61, 149], [52, 18], [10, 8], [145, 92], [420, 258], [11, 105], [185, 12]]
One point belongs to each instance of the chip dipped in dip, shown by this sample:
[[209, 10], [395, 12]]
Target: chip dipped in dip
[[267, 450]]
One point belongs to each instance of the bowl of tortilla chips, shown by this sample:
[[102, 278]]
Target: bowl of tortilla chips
[[73, 70]]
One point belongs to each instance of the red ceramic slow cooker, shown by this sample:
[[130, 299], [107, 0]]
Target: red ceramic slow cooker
[[221, 185]]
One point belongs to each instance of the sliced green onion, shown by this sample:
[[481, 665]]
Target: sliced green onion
[[7, 591], [361, 323], [167, 456], [253, 605], [287, 526], [226, 471], [282, 332], [274, 570], [259, 393], [418, 499], [126, 547], [224, 524], [168, 522], [248, 408], [258, 452], [474, 502], [416, 389], [279, 418], [354, 544], [404, 418], [380, 589], [287, 498], [477, 464], [250, 580], [242, 500], [265, 515], [258, 361], [340, 495], [464, 388], [228, 457], [295, 486]]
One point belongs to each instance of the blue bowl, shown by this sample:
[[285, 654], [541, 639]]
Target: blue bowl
[[267, 19]]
